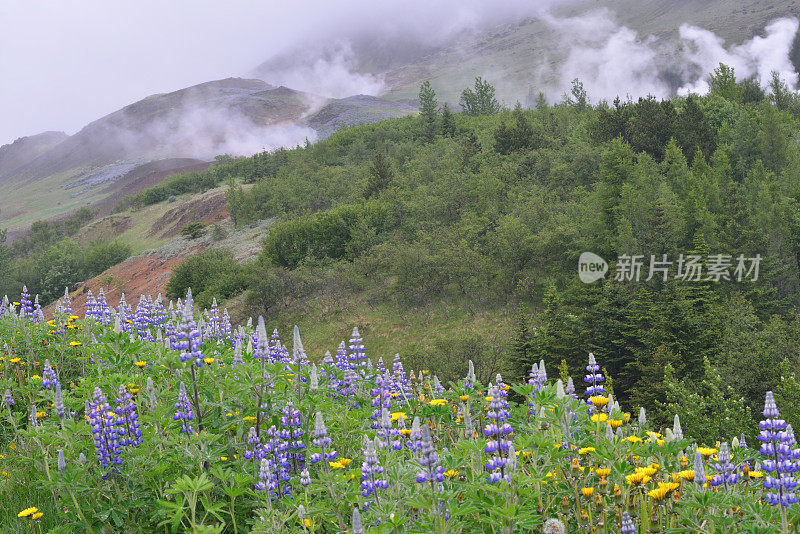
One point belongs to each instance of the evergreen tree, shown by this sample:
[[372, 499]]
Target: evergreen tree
[[723, 83], [448, 127], [693, 132], [428, 109], [470, 147]]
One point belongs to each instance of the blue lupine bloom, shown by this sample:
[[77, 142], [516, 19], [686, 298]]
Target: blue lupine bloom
[[292, 435], [26, 306], [8, 399], [59, 402], [320, 439], [677, 432], [594, 378], [777, 440], [497, 430], [381, 398], [183, 410], [356, 353], [726, 471], [49, 376], [267, 482], [305, 478], [102, 421], [371, 470], [627, 526], [431, 472], [127, 419], [189, 339]]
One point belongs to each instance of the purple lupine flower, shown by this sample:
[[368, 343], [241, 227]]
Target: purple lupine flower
[[261, 343], [59, 402], [381, 398], [102, 421], [305, 478], [594, 378], [569, 389], [497, 429], [237, 353], [38, 314], [470, 380], [677, 432], [266, 478], [4, 305], [129, 430], [358, 528], [726, 471], [26, 306], [183, 410], [415, 437], [292, 433], [275, 448], [777, 439], [190, 341], [66, 303], [49, 376], [141, 319], [699, 470], [61, 463], [627, 526], [33, 417], [356, 353], [254, 441], [432, 473], [320, 439], [8, 399], [371, 470]]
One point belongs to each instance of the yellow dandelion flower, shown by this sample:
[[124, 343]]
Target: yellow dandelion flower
[[223, 458], [14, 360], [587, 492], [28, 511], [346, 461], [687, 474], [603, 472], [208, 361], [141, 364], [37, 515], [658, 494]]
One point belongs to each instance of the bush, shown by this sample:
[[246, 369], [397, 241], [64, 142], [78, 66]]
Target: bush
[[213, 273], [101, 256], [193, 230]]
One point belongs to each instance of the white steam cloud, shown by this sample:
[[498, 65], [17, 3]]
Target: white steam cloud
[[613, 60], [203, 132], [331, 73], [757, 57]]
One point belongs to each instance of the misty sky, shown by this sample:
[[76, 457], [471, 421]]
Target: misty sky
[[66, 63]]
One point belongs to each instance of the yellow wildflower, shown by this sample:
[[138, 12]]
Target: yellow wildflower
[[755, 474], [706, 451], [464, 398], [346, 461], [587, 492], [687, 474], [398, 415], [450, 473], [586, 450], [208, 361], [634, 439], [14, 360], [599, 417], [223, 458], [438, 402], [598, 400], [615, 423], [75, 343], [603, 472], [141, 364], [336, 465], [28, 511]]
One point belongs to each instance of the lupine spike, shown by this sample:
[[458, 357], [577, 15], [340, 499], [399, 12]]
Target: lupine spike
[[642, 417], [699, 470], [62, 464], [676, 428], [358, 528]]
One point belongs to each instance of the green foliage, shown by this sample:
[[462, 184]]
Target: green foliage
[[380, 174], [102, 255], [211, 274], [479, 100], [428, 110], [193, 230]]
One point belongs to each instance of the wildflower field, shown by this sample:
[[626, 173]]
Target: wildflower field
[[162, 419]]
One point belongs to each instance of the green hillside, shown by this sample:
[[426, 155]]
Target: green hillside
[[463, 238]]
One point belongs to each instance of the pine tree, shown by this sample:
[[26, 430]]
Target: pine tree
[[428, 109], [470, 148], [448, 127]]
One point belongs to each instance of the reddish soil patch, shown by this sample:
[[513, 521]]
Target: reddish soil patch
[[208, 209], [147, 274]]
